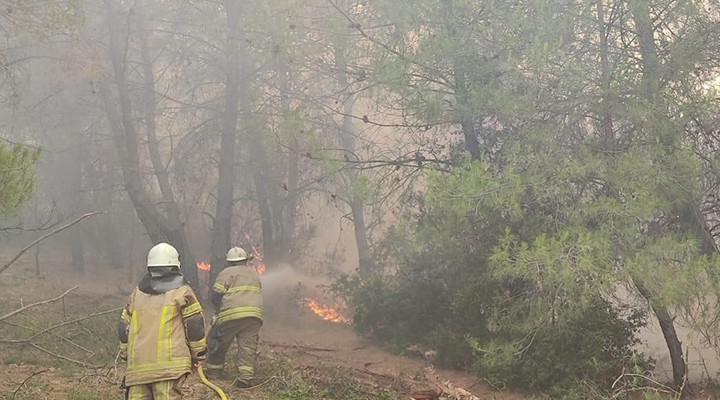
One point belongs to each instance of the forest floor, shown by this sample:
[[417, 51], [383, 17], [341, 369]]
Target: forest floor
[[302, 356]]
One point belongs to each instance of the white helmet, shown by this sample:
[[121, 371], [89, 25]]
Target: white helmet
[[163, 255], [236, 254]]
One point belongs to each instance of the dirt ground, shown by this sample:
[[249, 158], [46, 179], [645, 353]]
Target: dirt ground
[[298, 349], [291, 334]]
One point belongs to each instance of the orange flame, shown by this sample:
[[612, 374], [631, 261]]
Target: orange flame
[[203, 266], [257, 256], [260, 268], [325, 312]]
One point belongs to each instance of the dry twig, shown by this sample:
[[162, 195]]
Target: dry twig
[[45, 236], [14, 393], [62, 357], [39, 303], [299, 347], [46, 330]]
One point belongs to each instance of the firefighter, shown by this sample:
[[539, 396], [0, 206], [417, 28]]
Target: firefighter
[[237, 297], [161, 330]]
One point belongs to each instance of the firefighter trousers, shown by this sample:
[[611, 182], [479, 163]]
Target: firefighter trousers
[[163, 390], [247, 332]]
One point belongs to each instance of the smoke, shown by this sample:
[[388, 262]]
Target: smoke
[[285, 290]]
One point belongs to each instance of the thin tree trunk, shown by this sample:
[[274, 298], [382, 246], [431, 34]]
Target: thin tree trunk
[[222, 223], [657, 125], [36, 209], [667, 326], [78, 256], [38, 272], [466, 117], [158, 226], [288, 199], [472, 144], [176, 231], [607, 121], [124, 132], [111, 244], [346, 135], [261, 180], [76, 245]]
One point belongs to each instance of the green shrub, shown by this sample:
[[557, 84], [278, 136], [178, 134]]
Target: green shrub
[[590, 342], [587, 342]]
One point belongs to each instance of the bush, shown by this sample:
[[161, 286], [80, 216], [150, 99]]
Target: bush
[[587, 342], [590, 342], [397, 311]]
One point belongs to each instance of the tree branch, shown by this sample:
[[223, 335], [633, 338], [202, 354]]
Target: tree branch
[[39, 303], [46, 330], [62, 357], [45, 236], [14, 393]]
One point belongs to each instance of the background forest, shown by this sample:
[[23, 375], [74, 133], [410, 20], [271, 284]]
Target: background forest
[[520, 186]]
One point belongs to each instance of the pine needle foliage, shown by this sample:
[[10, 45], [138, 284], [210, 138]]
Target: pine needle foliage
[[17, 175]]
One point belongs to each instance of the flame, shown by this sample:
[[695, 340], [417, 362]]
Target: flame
[[203, 266], [260, 268], [257, 256], [325, 312]]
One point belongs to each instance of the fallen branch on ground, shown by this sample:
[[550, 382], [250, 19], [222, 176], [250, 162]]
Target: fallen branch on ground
[[367, 370], [447, 388], [39, 303], [62, 357], [299, 347], [30, 339], [654, 385], [46, 330], [14, 393]]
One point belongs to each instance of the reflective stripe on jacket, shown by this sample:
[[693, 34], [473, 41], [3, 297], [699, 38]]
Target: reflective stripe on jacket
[[241, 293], [157, 344]]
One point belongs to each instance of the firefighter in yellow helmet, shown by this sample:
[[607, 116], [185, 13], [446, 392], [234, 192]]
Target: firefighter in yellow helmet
[[161, 330], [237, 296]]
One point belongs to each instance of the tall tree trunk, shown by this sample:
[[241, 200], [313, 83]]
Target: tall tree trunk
[[365, 260], [466, 116], [657, 124], [346, 135], [273, 204], [76, 244], [36, 212], [222, 223], [606, 112], [111, 244], [667, 326], [467, 119], [264, 193], [175, 227], [288, 199], [159, 226]]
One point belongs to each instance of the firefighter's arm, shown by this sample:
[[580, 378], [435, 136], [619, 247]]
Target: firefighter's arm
[[216, 299], [124, 329], [194, 326], [219, 289]]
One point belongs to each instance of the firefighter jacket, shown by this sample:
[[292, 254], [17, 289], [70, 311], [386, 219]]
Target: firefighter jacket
[[240, 292], [161, 334]]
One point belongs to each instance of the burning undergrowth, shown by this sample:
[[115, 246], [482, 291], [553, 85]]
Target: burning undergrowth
[[325, 312], [276, 286], [287, 291]]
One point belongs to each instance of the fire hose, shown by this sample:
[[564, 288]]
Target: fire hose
[[209, 384]]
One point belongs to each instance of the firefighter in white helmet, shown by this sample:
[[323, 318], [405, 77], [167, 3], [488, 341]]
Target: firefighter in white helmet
[[237, 296], [161, 330]]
